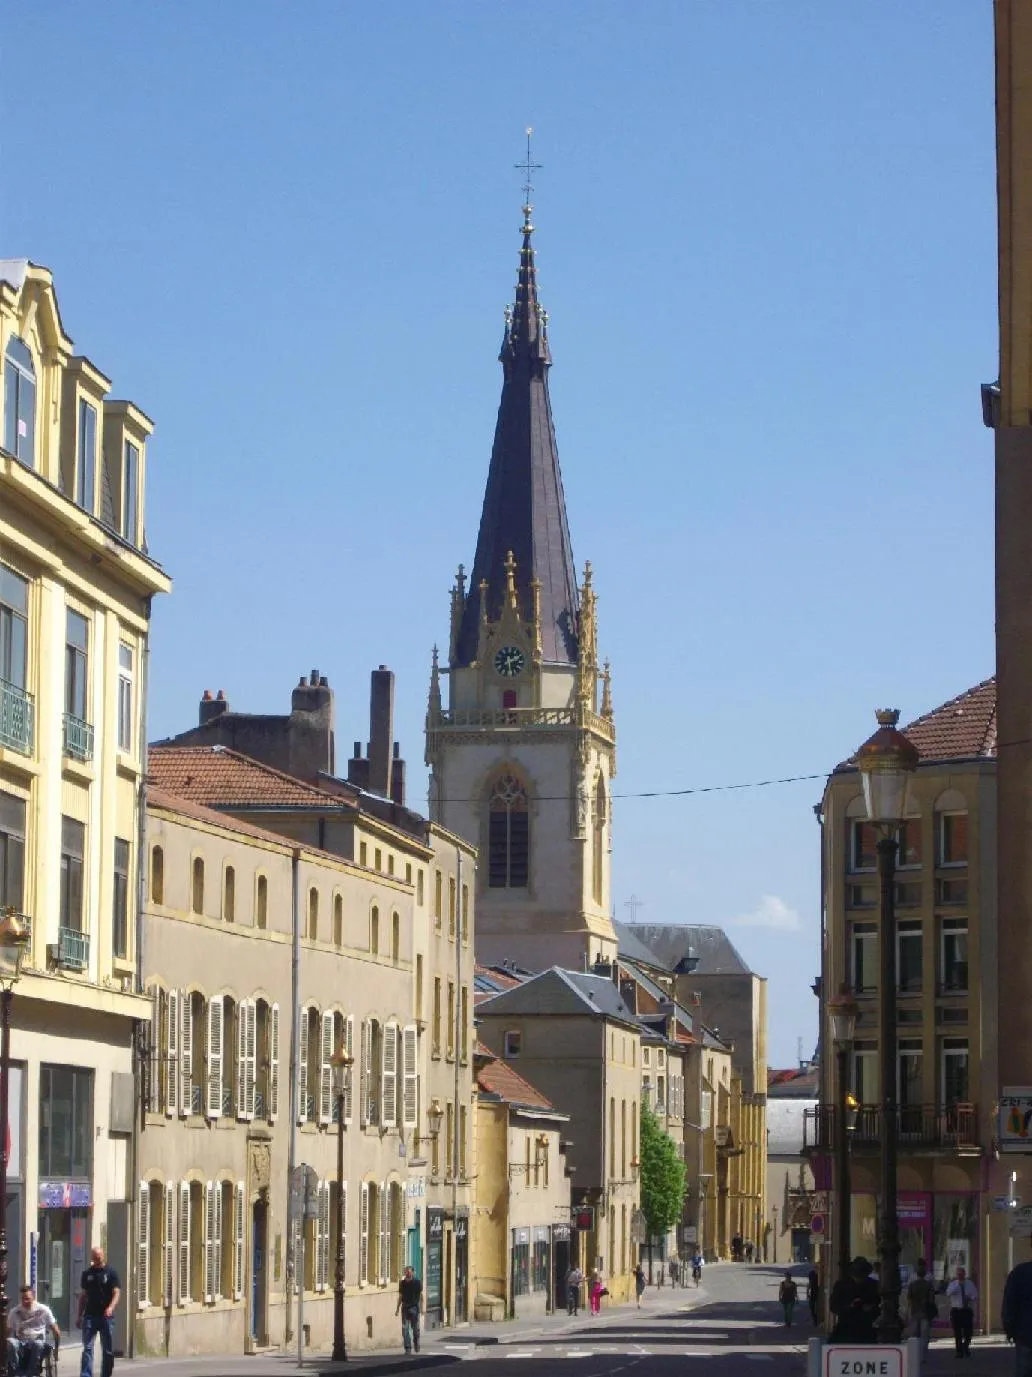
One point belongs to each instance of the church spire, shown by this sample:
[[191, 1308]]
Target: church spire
[[524, 513]]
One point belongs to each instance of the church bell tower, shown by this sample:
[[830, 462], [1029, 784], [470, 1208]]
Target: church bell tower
[[523, 755]]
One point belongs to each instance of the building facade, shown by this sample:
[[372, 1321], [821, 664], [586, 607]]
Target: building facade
[[791, 1205], [418, 904], [946, 998], [76, 584], [574, 1038], [522, 1225], [523, 755]]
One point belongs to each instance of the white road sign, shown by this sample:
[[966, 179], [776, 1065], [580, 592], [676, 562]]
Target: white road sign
[[868, 1360]]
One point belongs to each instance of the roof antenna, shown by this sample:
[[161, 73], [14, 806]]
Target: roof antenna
[[633, 904]]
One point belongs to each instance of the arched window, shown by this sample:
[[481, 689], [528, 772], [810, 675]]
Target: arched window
[[229, 895], [598, 839], [374, 930], [313, 914], [20, 402], [197, 897], [508, 835], [395, 937], [157, 875], [261, 903], [338, 921]]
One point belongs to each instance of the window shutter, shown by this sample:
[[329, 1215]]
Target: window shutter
[[349, 1078], [238, 1241], [241, 1060], [302, 1071], [171, 1077], [216, 1010], [221, 1287], [363, 1229], [153, 1049], [364, 1072], [185, 1052], [326, 1070], [209, 1243], [410, 1077], [323, 1245], [250, 1056], [389, 1076], [384, 1233], [168, 1245], [143, 1247], [273, 1105], [184, 1242]]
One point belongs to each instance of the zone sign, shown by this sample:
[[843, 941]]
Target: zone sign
[[869, 1361]]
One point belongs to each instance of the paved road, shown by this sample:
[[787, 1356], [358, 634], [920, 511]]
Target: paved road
[[732, 1327]]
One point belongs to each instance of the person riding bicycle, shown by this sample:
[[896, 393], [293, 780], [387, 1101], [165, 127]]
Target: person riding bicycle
[[697, 1268]]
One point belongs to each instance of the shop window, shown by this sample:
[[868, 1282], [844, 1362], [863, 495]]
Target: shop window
[[65, 1122]]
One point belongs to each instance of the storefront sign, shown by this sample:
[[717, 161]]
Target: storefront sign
[[435, 1225], [865, 1361], [461, 1225], [560, 1233], [520, 1236], [65, 1195], [1014, 1119], [415, 1187], [435, 1235]]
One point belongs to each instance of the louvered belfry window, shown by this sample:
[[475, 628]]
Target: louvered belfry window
[[508, 835]]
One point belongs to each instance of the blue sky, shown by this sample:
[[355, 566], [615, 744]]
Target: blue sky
[[766, 244]]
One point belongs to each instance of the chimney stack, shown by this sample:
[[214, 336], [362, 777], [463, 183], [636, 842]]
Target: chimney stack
[[211, 708], [381, 731]]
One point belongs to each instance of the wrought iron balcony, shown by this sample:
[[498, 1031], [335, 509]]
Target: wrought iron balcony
[[17, 718], [73, 949], [78, 738], [921, 1127]]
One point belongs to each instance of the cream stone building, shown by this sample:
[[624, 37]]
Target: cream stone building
[[76, 584], [417, 912], [523, 756], [522, 1224], [574, 1038]]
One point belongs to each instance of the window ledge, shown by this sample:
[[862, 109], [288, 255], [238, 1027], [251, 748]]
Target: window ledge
[[126, 765], [78, 769]]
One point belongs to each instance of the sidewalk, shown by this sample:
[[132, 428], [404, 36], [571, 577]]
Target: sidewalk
[[441, 1347]]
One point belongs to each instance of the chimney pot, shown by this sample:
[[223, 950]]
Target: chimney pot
[[397, 750], [220, 696], [302, 682], [323, 681], [357, 753], [314, 680], [206, 696]]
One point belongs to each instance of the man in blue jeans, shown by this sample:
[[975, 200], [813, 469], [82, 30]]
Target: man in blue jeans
[[410, 1293], [99, 1293]]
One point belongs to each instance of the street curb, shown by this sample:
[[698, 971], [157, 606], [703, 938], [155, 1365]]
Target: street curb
[[384, 1367]]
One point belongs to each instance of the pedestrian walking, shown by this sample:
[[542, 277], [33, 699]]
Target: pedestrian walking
[[921, 1304], [574, 1282], [1017, 1316], [410, 1295], [855, 1303], [788, 1294], [639, 1283], [962, 1296], [596, 1291], [100, 1290], [813, 1293]]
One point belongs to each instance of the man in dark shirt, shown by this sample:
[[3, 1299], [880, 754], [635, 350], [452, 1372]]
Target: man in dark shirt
[[99, 1292], [410, 1294], [1017, 1316]]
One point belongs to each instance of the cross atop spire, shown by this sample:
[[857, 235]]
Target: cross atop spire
[[528, 166]]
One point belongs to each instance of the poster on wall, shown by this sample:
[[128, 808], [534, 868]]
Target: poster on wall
[[958, 1254]]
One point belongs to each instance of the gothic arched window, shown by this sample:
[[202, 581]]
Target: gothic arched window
[[508, 835], [598, 839]]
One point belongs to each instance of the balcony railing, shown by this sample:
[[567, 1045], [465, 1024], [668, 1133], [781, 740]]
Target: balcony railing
[[17, 718], [73, 949], [922, 1127], [78, 738]]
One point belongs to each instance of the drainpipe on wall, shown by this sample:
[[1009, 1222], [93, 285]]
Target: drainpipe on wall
[[458, 1059], [295, 1057]]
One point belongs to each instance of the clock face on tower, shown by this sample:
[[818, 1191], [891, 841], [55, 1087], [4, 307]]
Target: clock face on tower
[[509, 661]]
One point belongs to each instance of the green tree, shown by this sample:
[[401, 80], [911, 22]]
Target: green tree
[[662, 1179]]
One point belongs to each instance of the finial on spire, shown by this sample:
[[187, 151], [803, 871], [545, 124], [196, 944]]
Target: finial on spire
[[433, 706], [510, 579], [587, 574], [607, 690], [527, 167]]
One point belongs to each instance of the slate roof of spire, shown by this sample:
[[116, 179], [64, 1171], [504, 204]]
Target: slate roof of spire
[[524, 509]]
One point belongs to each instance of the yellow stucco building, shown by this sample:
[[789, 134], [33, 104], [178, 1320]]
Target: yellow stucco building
[[76, 585]]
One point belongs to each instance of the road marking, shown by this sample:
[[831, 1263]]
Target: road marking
[[527, 1353]]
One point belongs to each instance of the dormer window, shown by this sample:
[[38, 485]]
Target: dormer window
[[86, 458], [130, 487], [20, 402]]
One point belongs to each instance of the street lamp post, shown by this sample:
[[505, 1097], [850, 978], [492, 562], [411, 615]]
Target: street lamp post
[[342, 1062], [774, 1232], [842, 1011], [14, 939], [887, 760]]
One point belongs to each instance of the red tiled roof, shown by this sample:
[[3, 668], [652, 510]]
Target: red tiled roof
[[962, 728], [498, 1078], [219, 778], [159, 798]]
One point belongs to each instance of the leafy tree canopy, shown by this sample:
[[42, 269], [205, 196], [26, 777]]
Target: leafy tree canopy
[[662, 1176]]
